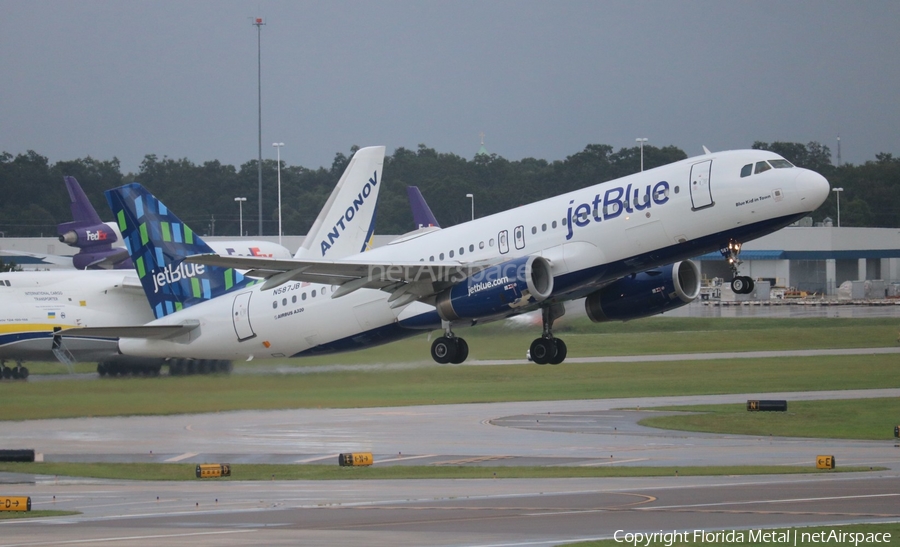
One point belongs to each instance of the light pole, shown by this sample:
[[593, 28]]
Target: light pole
[[240, 202], [472, 197], [838, 192], [641, 141], [278, 146], [258, 22]]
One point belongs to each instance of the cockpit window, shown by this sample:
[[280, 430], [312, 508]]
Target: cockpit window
[[762, 166], [747, 170], [781, 164]]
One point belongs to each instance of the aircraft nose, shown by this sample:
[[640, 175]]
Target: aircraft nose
[[813, 188]]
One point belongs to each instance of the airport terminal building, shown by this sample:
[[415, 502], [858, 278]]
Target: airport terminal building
[[815, 259]]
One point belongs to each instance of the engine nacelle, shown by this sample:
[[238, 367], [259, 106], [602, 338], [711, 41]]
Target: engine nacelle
[[497, 289], [646, 293], [101, 234]]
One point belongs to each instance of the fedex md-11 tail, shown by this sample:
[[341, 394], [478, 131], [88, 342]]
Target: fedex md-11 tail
[[92, 237], [158, 241]]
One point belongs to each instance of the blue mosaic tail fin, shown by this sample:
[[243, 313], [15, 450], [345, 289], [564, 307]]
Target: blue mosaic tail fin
[[158, 242]]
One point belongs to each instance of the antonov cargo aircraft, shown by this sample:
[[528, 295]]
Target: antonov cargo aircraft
[[33, 305], [622, 245]]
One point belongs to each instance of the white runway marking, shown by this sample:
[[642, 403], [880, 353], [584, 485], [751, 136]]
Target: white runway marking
[[794, 500], [181, 457], [404, 458], [318, 458]]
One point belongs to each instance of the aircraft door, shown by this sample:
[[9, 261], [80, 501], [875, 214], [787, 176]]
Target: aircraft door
[[240, 313], [503, 242], [701, 193], [520, 237]]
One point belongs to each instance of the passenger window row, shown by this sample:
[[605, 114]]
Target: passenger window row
[[293, 299]]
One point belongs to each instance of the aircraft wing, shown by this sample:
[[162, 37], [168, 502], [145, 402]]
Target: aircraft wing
[[108, 262], [59, 260], [142, 331], [422, 279]]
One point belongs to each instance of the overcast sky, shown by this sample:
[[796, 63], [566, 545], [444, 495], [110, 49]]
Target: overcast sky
[[540, 78]]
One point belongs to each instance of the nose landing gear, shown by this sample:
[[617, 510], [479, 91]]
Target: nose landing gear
[[741, 284]]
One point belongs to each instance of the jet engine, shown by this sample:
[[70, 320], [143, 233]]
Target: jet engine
[[497, 289], [81, 237], [645, 293]]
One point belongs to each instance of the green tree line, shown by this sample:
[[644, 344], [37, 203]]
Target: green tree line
[[34, 200]]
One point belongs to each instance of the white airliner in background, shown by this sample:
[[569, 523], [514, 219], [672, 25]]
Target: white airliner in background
[[35, 304], [623, 245]]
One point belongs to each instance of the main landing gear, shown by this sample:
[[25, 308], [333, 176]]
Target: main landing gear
[[547, 349], [449, 348], [741, 284], [18, 372]]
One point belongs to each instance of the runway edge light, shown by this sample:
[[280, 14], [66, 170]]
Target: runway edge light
[[15, 503], [825, 462]]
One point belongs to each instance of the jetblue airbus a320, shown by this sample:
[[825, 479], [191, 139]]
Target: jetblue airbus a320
[[623, 245]]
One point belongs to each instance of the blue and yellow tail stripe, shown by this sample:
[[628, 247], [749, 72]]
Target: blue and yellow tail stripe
[[369, 243]]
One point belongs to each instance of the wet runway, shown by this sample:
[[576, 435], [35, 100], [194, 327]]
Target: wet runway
[[439, 512]]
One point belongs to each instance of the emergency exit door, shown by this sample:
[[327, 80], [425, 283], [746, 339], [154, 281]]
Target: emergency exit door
[[240, 314]]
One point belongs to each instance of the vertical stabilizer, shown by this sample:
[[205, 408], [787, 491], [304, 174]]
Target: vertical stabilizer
[[91, 236], [158, 242], [422, 215], [347, 222], [82, 210]]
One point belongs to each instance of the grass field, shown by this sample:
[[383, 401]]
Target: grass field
[[441, 385], [654, 335], [872, 419], [5, 515], [420, 381], [265, 472]]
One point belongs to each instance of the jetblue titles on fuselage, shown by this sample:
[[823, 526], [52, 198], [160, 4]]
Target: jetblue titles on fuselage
[[613, 203], [349, 214]]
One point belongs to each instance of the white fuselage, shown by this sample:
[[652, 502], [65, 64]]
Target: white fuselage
[[590, 237], [32, 304]]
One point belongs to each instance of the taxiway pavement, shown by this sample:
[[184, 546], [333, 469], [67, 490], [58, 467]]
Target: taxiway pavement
[[439, 512]]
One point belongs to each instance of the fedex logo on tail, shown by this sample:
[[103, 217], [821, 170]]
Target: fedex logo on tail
[[344, 221], [99, 235], [613, 203]]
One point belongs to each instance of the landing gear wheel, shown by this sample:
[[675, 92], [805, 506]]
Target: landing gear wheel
[[443, 350], [742, 285], [543, 350], [561, 351], [6, 373], [462, 351]]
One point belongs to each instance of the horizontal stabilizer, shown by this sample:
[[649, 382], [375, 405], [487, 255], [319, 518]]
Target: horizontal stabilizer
[[143, 331]]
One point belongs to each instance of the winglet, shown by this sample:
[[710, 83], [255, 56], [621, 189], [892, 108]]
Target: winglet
[[422, 215], [346, 224], [158, 242]]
